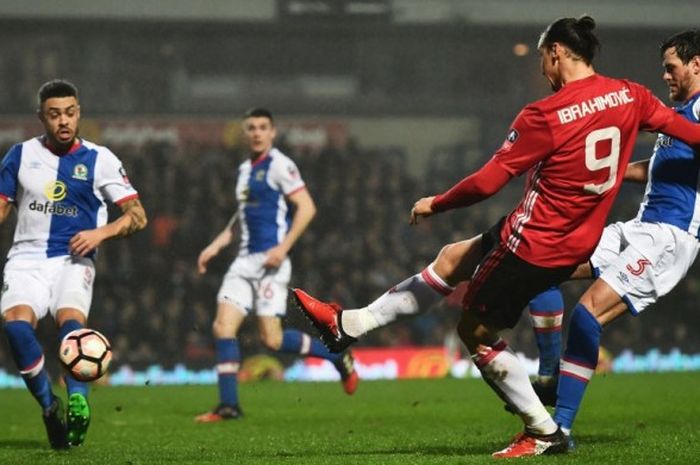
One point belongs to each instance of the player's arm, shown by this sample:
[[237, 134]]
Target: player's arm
[[529, 141], [637, 171], [132, 219], [304, 212], [5, 209], [657, 117], [221, 241], [680, 128], [474, 188]]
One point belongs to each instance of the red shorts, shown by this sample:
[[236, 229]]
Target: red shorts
[[503, 284]]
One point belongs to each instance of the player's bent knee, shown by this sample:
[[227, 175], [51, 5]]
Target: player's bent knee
[[221, 329], [20, 313], [473, 332], [272, 342], [65, 314], [447, 261]]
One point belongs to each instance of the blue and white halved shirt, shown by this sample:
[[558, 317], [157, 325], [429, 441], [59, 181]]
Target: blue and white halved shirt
[[58, 196], [261, 189], [671, 194]]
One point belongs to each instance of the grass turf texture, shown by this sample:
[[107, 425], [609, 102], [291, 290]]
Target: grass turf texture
[[626, 419]]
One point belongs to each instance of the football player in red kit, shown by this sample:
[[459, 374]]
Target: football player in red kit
[[574, 146]]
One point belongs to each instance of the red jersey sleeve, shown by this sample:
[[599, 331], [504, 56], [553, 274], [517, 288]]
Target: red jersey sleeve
[[528, 142], [657, 117], [472, 189], [682, 129], [653, 115]]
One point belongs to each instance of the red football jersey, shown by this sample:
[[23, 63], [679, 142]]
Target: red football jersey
[[576, 144]]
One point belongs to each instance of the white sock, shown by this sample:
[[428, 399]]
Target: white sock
[[505, 374], [415, 294]]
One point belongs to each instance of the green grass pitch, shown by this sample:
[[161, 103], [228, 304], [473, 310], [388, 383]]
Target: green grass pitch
[[626, 419]]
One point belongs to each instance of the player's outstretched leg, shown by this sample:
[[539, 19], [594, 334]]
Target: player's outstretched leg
[[339, 328], [228, 360], [297, 342], [325, 318], [29, 358], [78, 416]]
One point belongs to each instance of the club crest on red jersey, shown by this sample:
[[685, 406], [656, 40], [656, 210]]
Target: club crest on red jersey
[[511, 137]]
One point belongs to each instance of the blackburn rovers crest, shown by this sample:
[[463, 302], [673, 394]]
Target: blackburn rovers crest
[[80, 172]]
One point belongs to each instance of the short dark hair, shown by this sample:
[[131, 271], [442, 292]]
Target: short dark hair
[[259, 112], [575, 33], [56, 88], [687, 44]]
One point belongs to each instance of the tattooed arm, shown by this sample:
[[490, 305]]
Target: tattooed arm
[[133, 219]]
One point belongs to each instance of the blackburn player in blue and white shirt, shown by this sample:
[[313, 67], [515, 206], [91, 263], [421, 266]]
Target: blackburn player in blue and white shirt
[[638, 261], [59, 185], [257, 280]]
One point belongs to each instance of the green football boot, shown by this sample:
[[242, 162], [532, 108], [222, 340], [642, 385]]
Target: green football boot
[[78, 419]]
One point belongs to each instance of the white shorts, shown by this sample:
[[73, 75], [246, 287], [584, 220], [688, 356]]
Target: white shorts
[[643, 261], [49, 284], [254, 288]]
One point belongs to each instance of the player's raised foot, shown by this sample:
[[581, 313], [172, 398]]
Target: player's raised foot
[[78, 419], [55, 424], [324, 316], [528, 444], [348, 374], [220, 413]]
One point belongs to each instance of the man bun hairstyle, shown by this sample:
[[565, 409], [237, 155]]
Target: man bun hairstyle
[[574, 33], [259, 112], [56, 88], [687, 44]]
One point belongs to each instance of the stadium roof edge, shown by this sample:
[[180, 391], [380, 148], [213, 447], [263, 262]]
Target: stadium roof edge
[[619, 13]]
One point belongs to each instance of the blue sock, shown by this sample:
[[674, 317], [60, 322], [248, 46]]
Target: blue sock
[[296, 342], [578, 365], [73, 386], [29, 358], [228, 360], [546, 313]]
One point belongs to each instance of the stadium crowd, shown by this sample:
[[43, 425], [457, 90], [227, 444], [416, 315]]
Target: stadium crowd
[[155, 308]]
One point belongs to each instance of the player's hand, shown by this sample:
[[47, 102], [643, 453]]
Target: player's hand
[[275, 257], [204, 257], [85, 242], [421, 208]]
